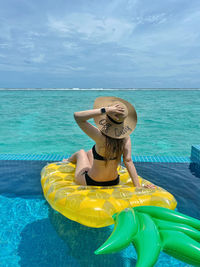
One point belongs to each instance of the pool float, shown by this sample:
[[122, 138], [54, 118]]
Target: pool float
[[153, 229], [94, 206]]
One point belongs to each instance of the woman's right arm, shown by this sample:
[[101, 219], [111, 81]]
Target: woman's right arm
[[129, 163], [93, 132], [130, 166]]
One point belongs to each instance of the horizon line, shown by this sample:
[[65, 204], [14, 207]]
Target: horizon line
[[95, 89]]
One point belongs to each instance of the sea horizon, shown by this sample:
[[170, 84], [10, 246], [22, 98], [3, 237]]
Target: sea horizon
[[97, 89]]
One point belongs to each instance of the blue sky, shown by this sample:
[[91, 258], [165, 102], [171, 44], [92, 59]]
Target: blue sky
[[100, 44]]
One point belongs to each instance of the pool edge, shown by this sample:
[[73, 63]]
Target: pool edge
[[194, 158]]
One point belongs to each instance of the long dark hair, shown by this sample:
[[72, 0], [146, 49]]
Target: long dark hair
[[114, 148]]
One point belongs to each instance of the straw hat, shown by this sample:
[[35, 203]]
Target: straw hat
[[107, 124]]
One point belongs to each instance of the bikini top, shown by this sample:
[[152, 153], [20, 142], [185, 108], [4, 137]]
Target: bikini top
[[97, 156]]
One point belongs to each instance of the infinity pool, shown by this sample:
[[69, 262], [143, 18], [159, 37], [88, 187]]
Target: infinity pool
[[33, 234]]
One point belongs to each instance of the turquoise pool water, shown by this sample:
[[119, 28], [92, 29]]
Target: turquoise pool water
[[33, 234], [42, 121]]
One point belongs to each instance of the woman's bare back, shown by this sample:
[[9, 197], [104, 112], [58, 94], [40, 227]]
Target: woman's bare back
[[100, 169]]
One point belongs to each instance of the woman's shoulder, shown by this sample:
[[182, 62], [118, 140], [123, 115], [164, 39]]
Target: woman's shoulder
[[101, 142]]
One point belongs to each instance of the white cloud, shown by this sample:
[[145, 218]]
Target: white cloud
[[70, 45], [156, 18], [18, 67], [27, 44], [58, 25], [35, 34], [131, 38], [63, 69], [38, 59], [169, 36], [93, 28], [4, 45]]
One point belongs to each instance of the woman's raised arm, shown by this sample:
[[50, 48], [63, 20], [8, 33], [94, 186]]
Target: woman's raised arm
[[93, 132], [81, 118]]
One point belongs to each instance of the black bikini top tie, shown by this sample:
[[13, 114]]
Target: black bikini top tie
[[97, 156]]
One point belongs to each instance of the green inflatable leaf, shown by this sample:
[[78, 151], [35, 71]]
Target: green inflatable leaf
[[126, 226], [153, 229], [147, 241]]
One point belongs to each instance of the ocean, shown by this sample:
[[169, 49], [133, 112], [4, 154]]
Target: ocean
[[41, 121]]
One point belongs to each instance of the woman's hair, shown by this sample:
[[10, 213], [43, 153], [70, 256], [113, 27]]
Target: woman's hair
[[114, 148]]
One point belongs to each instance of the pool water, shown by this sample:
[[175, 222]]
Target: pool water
[[33, 234]]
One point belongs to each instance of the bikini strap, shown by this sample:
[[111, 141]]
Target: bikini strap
[[96, 155], [99, 157]]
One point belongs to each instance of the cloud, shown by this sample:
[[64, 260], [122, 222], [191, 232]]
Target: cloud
[[156, 19], [70, 45], [65, 69], [38, 59], [26, 44], [4, 45], [135, 40], [91, 27]]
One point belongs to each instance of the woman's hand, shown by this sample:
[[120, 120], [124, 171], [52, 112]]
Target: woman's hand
[[149, 186], [115, 110]]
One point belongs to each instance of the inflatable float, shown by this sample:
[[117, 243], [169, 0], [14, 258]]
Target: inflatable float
[[94, 206], [152, 230]]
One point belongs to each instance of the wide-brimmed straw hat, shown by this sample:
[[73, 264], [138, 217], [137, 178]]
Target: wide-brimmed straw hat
[[107, 123]]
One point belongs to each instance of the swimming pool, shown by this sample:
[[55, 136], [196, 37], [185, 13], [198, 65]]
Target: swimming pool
[[33, 234]]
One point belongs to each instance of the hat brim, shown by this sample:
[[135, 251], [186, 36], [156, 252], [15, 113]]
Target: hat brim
[[108, 127]]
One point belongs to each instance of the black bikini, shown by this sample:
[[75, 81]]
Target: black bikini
[[90, 181], [97, 156]]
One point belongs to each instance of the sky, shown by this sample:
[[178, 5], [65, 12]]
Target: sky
[[99, 44]]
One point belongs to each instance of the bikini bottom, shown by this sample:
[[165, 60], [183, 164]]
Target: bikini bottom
[[90, 181]]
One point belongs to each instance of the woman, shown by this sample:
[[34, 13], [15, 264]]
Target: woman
[[115, 119]]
